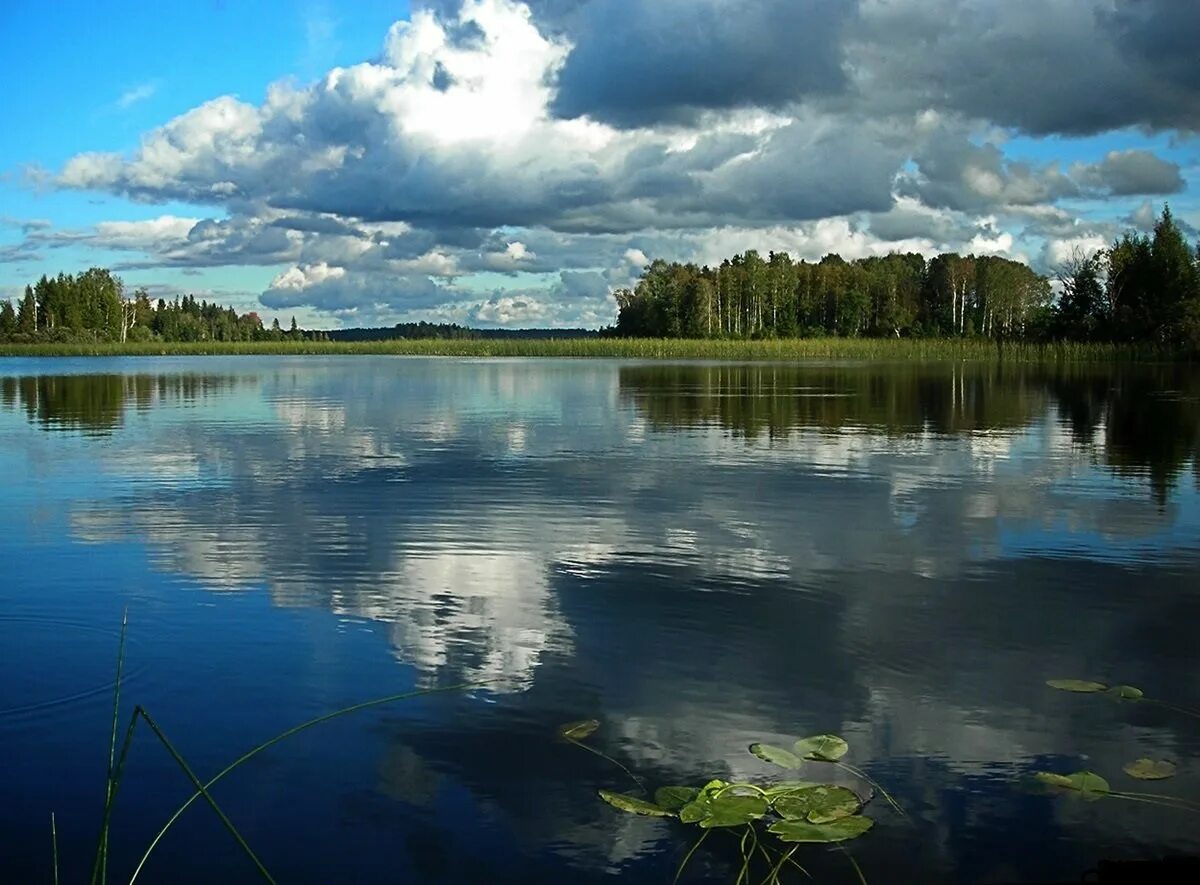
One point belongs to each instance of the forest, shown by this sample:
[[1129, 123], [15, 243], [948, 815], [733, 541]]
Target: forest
[[1141, 289], [92, 306]]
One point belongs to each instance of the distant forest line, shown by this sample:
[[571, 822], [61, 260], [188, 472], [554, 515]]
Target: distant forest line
[[1142, 292], [1141, 289]]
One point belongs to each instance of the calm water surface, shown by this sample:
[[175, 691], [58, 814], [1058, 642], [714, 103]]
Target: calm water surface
[[699, 556]]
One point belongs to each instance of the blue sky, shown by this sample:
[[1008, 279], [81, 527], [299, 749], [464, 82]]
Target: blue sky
[[122, 68], [496, 162]]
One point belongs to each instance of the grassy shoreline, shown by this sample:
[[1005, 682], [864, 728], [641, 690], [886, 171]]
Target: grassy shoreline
[[635, 348]]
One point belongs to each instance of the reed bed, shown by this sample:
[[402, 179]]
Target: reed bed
[[884, 349]]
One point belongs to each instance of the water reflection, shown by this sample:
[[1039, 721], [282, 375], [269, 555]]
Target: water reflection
[[701, 556], [1145, 421], [98, 404]]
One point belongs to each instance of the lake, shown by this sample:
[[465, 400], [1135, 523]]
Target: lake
[[698, 556]]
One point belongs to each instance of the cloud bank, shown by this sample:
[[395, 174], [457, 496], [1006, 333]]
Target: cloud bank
[[496, 150]]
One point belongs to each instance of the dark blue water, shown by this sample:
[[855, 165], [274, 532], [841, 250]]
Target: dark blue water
[[698, 556]]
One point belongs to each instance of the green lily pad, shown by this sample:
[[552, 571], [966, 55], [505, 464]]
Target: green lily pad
[[818, 805], [1078, 685], [786, 788], [634, 805], [1126, 693], [674, 798], [1087, 784], [776, 755], [1150, 769], [698, 809], [836, 831], [728, 810], [577, 731], [822, 747], [1053, 780]]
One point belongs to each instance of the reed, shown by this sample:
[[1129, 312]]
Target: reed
[[116, 769], [789, 349]]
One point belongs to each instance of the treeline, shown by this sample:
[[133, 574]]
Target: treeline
[[92, 307], [1140, 289], [453, 332]]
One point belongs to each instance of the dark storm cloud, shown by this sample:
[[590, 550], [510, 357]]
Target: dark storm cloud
[[1045, 67], [1162, 35], [643, 62]]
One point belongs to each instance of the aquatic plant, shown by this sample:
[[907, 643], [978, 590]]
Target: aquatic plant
[[1090, 786], [794, 812], [1119, 693], [116, 769]]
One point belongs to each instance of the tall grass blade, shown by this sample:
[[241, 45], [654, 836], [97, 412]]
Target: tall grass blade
[[1157, 799], [100, 865], [637, 780], [862, 880], [687, 857], [858, 772], [245, 757], [200, 788], [1186, 711], [744, 872], [777, 870], [54, 846]]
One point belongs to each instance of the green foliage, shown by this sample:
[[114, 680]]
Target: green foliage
[[577, 731], [1140, 290], [778, 350], [1149, 769], [818, 804], [748, 297], [776, 755], [792, 811], [822, 747], [1087, 784], [91, 308], [117, 761], [840, 830], [1091, 786], [1126, 693], [674, 798], [1082, 686], [634, 805], [732, 810]]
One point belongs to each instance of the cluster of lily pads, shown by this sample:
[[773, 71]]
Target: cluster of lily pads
[[1091, 786], [793, 811]]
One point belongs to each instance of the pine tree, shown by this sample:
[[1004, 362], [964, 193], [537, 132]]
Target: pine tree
[[8, 320]]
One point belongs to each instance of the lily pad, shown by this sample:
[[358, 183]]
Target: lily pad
[[776, 755], [674, 798], [1049, 778], [1082, 686], [837, 831], [786, 788], [1150, 769], [577, 731], [822, 747], [818, 805], [1126, 693], [1087, 784], [634, 805], [728, 810], [699, 808]]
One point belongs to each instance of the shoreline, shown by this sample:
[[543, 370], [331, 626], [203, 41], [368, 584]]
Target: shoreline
[[633, 348]]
